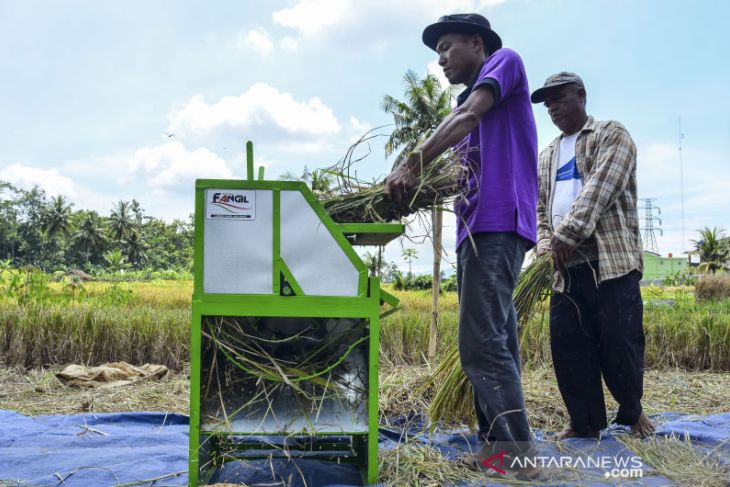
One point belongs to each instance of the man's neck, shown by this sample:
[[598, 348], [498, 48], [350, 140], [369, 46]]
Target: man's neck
[[576, 128], [475, 72]]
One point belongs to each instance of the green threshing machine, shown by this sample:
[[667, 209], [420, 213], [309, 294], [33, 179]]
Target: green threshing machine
[[285, 323]]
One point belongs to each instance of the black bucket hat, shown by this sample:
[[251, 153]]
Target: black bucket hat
[[462, 24]]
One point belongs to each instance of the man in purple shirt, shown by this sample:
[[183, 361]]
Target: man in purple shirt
[[494, 129]]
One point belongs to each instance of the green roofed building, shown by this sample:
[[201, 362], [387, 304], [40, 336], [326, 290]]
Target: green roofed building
[[657, 268]]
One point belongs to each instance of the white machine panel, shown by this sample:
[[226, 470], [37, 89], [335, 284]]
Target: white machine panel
[[310, 251], [238, 245]]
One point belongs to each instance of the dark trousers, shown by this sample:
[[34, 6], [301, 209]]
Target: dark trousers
[[598, 330], [487, 271]]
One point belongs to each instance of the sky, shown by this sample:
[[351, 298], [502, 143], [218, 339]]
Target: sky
[[102, 101]]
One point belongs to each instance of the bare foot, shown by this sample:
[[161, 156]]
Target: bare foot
[[643, 426], [571, 433], [530, 474], [474, 460]]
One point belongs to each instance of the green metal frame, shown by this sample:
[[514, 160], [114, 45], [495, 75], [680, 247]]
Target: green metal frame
[[372, 233], [366, 305], [276, 187]]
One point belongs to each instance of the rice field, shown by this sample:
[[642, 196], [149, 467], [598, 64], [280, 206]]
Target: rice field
[[148, 322]]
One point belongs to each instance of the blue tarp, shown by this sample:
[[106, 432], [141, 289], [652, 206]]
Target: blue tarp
[[100, 450]]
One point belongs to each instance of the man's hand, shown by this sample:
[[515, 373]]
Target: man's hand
[[561, 251], [401, 184], [543, 247]]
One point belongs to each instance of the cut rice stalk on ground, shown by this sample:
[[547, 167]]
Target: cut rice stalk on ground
[[677, 459]]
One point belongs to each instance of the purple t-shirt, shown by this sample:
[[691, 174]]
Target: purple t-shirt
[[500, 187]]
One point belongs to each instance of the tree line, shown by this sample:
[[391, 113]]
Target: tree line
[[48, 233]]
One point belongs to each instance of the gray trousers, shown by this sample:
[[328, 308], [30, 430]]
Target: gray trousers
[[487, 271]]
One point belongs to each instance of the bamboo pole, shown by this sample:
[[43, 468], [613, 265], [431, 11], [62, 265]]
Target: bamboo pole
[[437, 225]]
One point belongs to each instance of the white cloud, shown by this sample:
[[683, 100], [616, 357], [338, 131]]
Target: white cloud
[[50, 180], [257, 39], [289, 43], [55, 182], [358, 126], [260, 106], [161, 178], [171, 165], [311, 18]]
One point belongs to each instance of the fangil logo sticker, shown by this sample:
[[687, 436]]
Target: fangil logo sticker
[[231, 204]]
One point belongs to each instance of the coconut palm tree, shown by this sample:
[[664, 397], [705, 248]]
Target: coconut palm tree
[[713, 249], [138, 213], [120, 222], [408, 255], [115, 260], [89, 234], [57, 217], [319, 180], [134, 249], [375, 262], [56, 222], [425, 105]]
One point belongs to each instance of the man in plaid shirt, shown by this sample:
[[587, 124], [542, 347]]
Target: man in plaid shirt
[[587, 219]]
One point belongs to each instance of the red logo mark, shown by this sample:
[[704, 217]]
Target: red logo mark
[[499, 456]]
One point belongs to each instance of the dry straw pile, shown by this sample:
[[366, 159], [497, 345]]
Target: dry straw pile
[[714, 287]]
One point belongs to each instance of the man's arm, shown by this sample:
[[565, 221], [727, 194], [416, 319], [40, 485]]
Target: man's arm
[[403, 181], [457, 124], [615, 163]]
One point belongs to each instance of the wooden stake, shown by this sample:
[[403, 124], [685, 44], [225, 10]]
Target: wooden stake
[[437, 226]]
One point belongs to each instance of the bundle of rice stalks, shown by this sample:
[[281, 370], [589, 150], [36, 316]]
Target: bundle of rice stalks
[[454, 397], [368, 204], [533, 287], [355, 201]]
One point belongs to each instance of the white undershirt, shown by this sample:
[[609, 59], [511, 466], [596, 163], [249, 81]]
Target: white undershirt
[[568, 184]]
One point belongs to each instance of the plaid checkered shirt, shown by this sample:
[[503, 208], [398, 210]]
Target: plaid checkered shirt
[[605, 209]]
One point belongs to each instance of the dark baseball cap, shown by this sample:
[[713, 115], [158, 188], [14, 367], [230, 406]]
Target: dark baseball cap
[[462, 24], [560, 79]]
